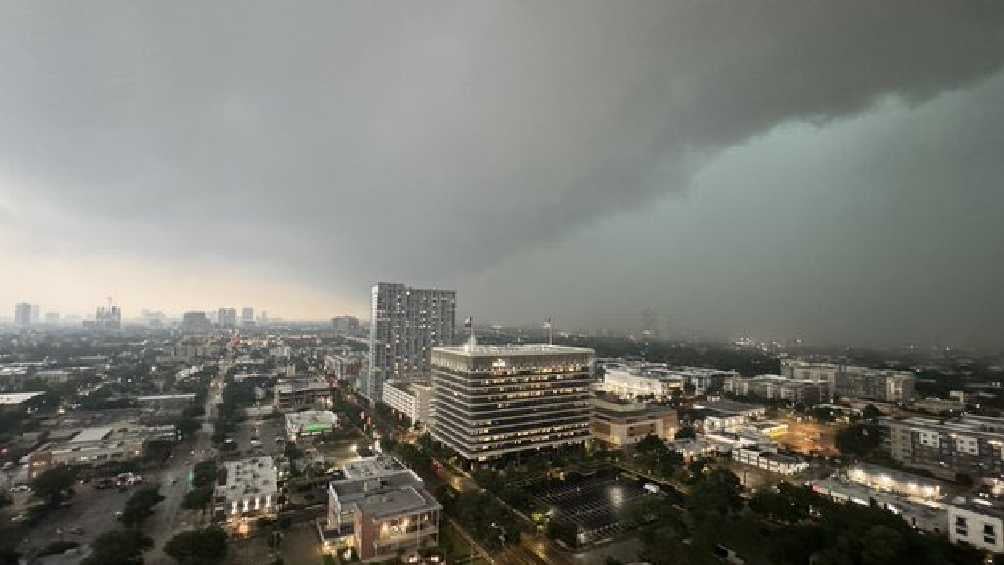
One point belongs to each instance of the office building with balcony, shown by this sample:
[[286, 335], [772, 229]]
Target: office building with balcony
[[491, 401], [412, 399], [405, 325]]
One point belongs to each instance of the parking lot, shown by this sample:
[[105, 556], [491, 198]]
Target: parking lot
[[596, 504]]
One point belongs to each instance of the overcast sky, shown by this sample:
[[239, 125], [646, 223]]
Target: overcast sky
[[831, 170]]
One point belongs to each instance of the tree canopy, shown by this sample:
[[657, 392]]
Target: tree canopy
[[207, 546], [119, 547]]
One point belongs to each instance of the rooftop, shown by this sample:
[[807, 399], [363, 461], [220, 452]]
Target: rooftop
[[17, 397], [513, 350], [92, 434], [312, 417]]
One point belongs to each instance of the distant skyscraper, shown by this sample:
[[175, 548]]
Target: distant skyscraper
[[195, 321], [22, 314], [36, 314], [247, 316], [108, 317], [405, 324], [52, 318], [227, 317], [345, 325]]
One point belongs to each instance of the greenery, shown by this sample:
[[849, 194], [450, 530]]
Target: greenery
[[197, 499], [57, 547], [54, 485], [485, 518], [158, 450], [204, 474], [716, 494], [119, 547], [654, 457], [858, 439], [140, 506], [207, 546]]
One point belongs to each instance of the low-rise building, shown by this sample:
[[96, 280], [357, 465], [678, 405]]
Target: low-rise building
[[927, 516], [381, 509], [299, 393], [693, 448], [972, 445], [618, 423], [97, 445], [770, 461], [895, 481], [978, 522], [413, 399], [251, 492], [310, 423]]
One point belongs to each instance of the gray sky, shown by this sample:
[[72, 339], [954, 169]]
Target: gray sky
[[824, 169]]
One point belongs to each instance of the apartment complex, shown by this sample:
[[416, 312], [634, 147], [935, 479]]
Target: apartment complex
[[381, 509], [412, 399], [973, 445], [618, 422], [22, 314], [405, 325], [776, 387], [977, 522], [661, 381], [853, 381], [490, 401]]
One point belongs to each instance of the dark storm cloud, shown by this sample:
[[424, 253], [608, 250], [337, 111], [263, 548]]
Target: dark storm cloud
[[357, 141]]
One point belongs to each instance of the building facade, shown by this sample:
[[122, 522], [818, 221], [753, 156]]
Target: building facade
[[405, 325], [618, 423], [22, 314], [971, 445], [296, 394], [251, 492], [227, 318], [492, 401], [412, 399]]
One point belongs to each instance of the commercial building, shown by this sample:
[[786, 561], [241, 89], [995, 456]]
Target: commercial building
[[251, 492], [97, 445], [226, 317], [247, 316], [381, 510], [770, 461], [971, 445], [405, 325], [413, 399], [618, 422], [310, 423], [345, 366], [925, 516], [777, 387], [895, 481], [661, 381], [724, 416], [980, 523], [22, 314], [299, 393], [490, 401]]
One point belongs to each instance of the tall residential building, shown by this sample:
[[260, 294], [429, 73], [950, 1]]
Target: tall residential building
[[227, 317], [345, 325], [247, 316], [490, 401], [853, 381], [22, 314], [405, 324], [36, 313]]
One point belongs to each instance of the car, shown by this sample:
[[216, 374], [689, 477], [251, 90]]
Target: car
[[20, 517]]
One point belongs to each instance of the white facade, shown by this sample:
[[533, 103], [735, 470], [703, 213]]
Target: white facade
[[411, 399], [979, 526], [251, 490]]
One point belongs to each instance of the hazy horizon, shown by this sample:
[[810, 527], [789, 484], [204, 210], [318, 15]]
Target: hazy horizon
[[829, 171]]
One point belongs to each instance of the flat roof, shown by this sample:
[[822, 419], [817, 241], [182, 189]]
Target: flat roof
[[92, 434], [156, 397], [18, 397], [513, 350]]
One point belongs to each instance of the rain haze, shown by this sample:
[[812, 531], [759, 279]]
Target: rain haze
[[828, 170]]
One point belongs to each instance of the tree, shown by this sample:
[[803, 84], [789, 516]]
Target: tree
[[207, 546], [716, 492], [204, 474], [54, 484], [859, 439], [140, 506], [119, 547], [685, 432], [157, 450], [197, 499], [870, 412]]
